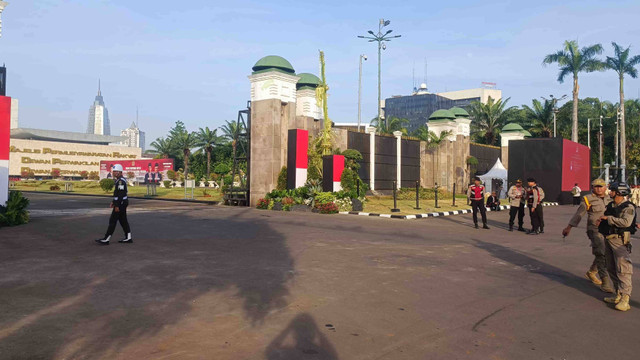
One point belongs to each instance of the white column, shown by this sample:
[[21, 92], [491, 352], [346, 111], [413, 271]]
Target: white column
[[372, 158], [398, 135]]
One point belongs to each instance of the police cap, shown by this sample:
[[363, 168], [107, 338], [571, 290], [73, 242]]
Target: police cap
[[599, 182]]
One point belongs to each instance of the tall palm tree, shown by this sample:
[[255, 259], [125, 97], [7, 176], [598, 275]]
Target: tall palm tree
[[162, 147], [541, 117], [434, 142], [622, 64], [573, 61], [206, 140], [490, 117], [230, 131], [388, 127], [186, 141]]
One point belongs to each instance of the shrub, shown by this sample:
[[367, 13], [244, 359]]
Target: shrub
[[425, 193], [54, 188], [263, 204], [15, 211], [221, 169], [84, 174], [107, 184], [282, 179], [55, 173], [327, 208], [324, 198], [171, 174], [352, 156], [344, 204], [94, 175], [167, 183]]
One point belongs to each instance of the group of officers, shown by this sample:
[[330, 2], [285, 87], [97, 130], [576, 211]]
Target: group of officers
[[519, 196], [611, 220]]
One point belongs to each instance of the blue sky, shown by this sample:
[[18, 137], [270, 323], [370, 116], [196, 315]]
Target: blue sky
[[190, 60]]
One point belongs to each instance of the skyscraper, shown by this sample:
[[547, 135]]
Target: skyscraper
[[99, 116], [135, 137]]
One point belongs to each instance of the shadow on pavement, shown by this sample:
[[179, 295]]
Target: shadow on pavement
[[538, 267], [301, 339], [63, 296]]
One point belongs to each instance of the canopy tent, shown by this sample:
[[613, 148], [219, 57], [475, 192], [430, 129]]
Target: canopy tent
[[496, 179]]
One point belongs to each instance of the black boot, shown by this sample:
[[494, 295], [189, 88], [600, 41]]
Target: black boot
[[104, 240], [484, 226], [127, 240], [520, 228], [510, 227], [475, 225]]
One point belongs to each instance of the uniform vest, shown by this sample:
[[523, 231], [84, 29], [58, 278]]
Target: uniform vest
[[606, 229]]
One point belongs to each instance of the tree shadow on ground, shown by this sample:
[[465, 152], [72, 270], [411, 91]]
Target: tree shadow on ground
[[548, 271], [301, 339], [74, 299]]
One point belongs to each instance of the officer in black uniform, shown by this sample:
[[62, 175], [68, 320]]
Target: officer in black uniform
[[119, 213]]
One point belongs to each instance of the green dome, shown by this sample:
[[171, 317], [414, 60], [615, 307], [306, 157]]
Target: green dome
[[459, 112], [307, 80], [512, 127], [442, 114], [273, 62], [527, 134]]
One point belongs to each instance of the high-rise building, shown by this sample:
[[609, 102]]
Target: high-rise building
[[2, 6], [99, 116], [135, 137]]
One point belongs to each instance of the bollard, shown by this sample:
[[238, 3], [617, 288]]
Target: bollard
[[436, 195], [417, 195], [355, 177], [395, 200], [454, 195]]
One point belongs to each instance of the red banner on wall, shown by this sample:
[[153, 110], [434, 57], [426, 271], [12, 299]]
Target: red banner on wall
[[576, 165], [148, 171]]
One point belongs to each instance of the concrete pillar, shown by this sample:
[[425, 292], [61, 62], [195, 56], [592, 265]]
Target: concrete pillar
[[398, 135], [372, 158]]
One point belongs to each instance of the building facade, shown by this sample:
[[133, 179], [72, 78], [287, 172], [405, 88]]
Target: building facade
[[134, 137], [99, 117]]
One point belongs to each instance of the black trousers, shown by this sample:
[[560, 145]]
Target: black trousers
[[118, 216], [576, 200], [537, 218], [479, 205], [512, 215]]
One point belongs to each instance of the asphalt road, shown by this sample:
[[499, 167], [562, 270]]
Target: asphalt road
[[212, 282]]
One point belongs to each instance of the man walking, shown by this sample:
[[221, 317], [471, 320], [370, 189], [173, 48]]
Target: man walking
[[576, 194], [475, 193], [617, 224], [119, 205], [517, 197], [535, 194], [594, 206]]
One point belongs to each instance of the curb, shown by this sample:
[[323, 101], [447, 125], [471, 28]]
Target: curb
[[427, 215], [130, 197]]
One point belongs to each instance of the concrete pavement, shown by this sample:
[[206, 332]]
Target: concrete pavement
[[212, 282]]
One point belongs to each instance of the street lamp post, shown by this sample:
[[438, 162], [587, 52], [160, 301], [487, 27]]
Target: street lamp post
[[554, 110], [600, 140], [360, 89], [380, 38]]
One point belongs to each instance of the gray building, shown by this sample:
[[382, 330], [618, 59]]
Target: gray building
[[99, 116]]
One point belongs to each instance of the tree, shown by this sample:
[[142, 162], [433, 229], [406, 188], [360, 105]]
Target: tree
[[230, 131], [206, 140], [540, 117], [489, 118], [573, 61], [622, 64], [388, 127], [434, 143], [185, 142], [162, 147]]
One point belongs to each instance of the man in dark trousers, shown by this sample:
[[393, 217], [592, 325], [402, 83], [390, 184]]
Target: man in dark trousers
[[535, 195], [493, 202], [517, 196], [475, 193], [119, 205]]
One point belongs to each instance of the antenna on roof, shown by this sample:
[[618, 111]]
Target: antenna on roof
[[99, 93], [137, 120], [425, 70]]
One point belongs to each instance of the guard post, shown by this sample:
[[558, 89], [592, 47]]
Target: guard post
[[395, 201], [435, 193]]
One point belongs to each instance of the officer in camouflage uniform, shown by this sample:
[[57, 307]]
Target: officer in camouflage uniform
[[617, 224], [594, 206]]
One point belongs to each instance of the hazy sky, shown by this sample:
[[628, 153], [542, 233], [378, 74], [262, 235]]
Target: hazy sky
[[190, 60]]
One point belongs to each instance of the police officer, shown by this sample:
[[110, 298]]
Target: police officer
[[594, 206], [119, 205], [475, 193], [535, 194], [617, 224], [517, 196]]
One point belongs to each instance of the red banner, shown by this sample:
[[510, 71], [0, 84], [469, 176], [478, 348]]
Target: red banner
[[148, 171], [576, 164]]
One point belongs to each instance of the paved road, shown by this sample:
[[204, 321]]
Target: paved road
[[210, 282]]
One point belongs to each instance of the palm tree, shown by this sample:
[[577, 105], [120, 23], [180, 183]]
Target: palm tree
[[162, 147], [572, 60], [490, 117], [206, 140], [622, 64], [230, 131], [388, 127], [434, 142], [541, 117], [186, 141], [422, 133]]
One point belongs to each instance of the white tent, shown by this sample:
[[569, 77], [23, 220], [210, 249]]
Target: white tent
[[497, 172]]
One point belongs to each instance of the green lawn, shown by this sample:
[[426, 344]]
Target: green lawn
[[384, 204], [93, 188]]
